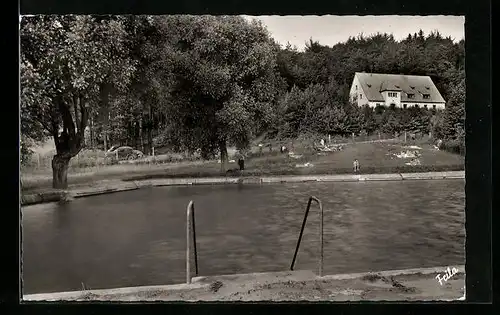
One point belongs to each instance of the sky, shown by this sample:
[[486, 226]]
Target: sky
[[330, 29]]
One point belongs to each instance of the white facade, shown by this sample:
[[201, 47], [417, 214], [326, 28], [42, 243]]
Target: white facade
[[392, 92], [392, 97], [357, 95]]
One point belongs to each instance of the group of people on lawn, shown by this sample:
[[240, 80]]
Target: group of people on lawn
[[240, 156]]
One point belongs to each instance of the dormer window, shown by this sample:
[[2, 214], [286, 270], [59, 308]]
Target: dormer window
[[392, 94], [426, 96], [369, 85], [412, 87], [411, 95], [397, 86], [427, 88]]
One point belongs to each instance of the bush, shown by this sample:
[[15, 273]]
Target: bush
[[453, 146], [25, 152]]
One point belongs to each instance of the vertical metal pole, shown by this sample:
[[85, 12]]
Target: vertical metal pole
[[301, 232], [194, 240], [188, 243], [320, 239]]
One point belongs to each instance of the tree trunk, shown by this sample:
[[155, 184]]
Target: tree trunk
[[150, 141], [223, 156], [141, 138], [92, 132], [60, 172], [105, 140], [150, 130]]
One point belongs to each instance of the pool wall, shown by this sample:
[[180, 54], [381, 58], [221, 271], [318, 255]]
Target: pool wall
[[119, 186]]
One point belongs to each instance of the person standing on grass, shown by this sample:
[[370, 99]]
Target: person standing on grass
[[241, 160], [356, 166]]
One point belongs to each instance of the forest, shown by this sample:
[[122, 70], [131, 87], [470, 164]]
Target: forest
[[209, 82]]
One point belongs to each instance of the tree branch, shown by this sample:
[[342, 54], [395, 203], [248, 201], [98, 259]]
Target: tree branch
[[84, 116], [67, 118], [76, 101]]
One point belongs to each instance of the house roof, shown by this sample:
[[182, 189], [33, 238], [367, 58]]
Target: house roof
[[373, 84]]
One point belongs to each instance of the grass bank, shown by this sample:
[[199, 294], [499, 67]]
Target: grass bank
[[374, 158]]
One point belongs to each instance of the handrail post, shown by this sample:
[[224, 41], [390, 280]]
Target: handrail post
[[190, 231], [194, 241], [301, 232], [320, 238], [321, 250], [188, 243]]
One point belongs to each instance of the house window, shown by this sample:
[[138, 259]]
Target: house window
[[425, 106], [426, 96], [416, 106], [393, 94], [361, 96], [411, 95], [356, 87], [404, 105], [433, 106]]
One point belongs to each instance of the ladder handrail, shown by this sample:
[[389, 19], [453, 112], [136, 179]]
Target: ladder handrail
[[190, 232], [320, 234]]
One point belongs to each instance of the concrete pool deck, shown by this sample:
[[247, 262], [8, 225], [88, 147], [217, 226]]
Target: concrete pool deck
[[396, 285], [105, 187]]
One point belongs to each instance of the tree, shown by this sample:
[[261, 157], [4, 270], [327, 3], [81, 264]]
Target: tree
[[454, 114], [226, 81], [69, 65]]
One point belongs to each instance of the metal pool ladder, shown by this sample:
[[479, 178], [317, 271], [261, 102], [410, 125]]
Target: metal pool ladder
[[190, 234], [312, 198]]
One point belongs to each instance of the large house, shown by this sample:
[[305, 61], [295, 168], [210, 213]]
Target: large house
[[403, 91]]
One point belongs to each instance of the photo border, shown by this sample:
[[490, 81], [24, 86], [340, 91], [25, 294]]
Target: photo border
[[478, 143]]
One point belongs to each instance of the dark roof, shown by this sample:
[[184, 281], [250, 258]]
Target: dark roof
[[375, 83]]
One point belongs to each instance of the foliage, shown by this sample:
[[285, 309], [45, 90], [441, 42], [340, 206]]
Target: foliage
[[68, 66], [226, 81], [206, 82]]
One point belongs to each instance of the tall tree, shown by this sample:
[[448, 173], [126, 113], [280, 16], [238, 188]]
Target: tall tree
[[69, 63], [226, 83]]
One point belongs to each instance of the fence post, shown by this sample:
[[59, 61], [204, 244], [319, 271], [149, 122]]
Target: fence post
[[153, 151], [38, 160]]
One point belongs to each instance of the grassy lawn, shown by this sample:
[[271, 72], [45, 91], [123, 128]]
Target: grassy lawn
[[373, 158]]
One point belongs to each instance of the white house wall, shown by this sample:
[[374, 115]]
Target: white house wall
[[393, 99], [361, 99], [357, 95]]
